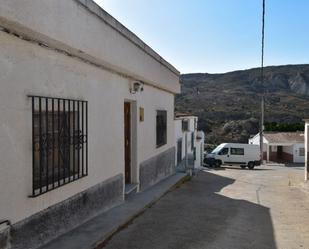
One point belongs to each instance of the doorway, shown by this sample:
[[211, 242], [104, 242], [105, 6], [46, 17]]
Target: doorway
[[127, 142], [279, 152], [179, 151]]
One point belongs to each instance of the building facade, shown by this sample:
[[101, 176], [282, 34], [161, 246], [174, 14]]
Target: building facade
[[282, 147], [87, 108], [189, 142], [306, 135]]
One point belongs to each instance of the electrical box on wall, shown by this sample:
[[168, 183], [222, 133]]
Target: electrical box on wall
[[141, 114]]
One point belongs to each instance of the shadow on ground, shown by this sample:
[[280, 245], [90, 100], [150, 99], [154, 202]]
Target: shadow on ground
[[197, 216], [237, 168]]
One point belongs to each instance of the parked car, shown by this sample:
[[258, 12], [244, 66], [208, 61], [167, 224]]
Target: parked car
[[244, 155]]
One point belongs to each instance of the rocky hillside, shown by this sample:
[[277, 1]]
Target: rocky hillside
[[228, 105]]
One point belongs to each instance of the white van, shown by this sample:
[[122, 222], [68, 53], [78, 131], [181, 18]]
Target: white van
[[244, 155]]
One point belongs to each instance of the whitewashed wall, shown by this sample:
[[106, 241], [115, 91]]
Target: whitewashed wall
[[288, 149], [83, 29], [306, 148], [186, 136], [296, 157], [199, 144], [27, 68], [256, 140], [179, 134]]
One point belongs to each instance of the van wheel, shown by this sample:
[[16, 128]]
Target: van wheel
[[250, 165], [243, 166], [217, 163]]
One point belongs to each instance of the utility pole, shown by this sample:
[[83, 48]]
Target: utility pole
[[262, 127], [262, 83]]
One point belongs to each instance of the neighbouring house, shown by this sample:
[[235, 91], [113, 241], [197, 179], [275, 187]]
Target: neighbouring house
[[189, 142], [306, 149], [282, 147], [87, 114]]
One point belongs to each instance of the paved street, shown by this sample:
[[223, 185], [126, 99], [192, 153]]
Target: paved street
[[226, 208]]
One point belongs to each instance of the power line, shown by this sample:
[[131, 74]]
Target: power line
[[263, 38]]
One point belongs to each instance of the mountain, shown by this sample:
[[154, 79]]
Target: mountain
[[228, 105]]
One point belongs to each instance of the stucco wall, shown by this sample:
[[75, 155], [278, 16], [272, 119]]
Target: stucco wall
[[27, 68], [306, 149], [178, 128], [184, 135], [199, 144], [83, 29], [296, 157], [256, 140], [288, 149], [50, 223], [157, 168]]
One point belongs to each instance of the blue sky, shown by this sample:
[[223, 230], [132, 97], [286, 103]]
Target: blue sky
[[217, 36]]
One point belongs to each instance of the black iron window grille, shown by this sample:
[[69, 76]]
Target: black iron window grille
[[59, 142], [161, 128]]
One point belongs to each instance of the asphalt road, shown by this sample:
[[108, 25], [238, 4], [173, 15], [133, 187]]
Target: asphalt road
[[227, 208]]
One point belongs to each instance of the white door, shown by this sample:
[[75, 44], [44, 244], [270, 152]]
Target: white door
[[299, 154]]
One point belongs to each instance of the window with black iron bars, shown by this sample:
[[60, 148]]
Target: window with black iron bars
[[59, 142]]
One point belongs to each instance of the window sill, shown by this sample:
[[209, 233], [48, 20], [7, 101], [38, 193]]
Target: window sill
[[160, 145], [56, 185]]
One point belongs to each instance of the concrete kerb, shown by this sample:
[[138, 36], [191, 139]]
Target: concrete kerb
[[107, 237]]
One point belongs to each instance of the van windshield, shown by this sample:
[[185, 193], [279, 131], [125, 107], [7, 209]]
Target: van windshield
[[217, 149]]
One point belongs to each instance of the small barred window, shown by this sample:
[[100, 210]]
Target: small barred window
[[59, 142]]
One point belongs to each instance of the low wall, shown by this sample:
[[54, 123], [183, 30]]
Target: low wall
[[285, 157], [48, 224], [157, 168]]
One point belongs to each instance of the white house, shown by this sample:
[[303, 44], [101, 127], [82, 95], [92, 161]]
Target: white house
[[283, 147], [306, 149], [189, 142], [87, 112]]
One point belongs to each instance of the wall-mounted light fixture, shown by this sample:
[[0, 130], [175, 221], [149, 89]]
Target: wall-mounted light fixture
[[136, 86]]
